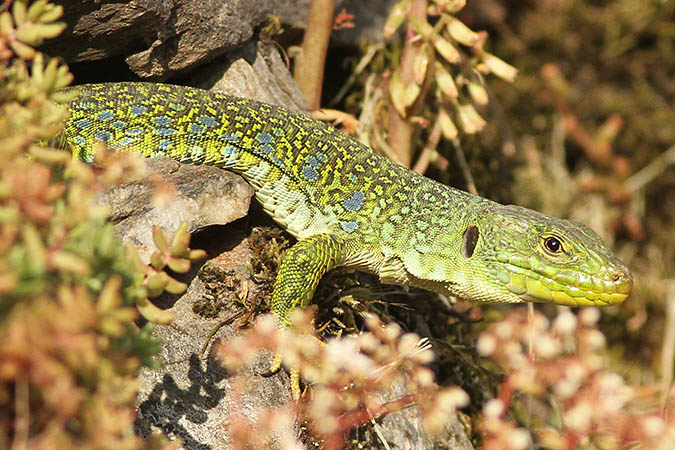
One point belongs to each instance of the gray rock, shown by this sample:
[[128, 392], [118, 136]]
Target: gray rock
[[403, 429], [189, 397], [160, 39], [204, 196], [254, 71]]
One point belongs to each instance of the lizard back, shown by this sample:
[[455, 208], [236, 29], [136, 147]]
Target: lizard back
[[308, 176]]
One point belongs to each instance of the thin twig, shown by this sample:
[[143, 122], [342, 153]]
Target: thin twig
[[378, 432], [422, 163], [648, 173], [508, 142], [358, 70], [371, 98], [470, 183], [22, 411], [668, 349]]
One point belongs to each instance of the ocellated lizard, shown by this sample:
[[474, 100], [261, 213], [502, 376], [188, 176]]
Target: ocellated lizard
[[348, 206]]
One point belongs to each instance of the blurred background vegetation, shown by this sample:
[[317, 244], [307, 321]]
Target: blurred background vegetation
[[585, 130]]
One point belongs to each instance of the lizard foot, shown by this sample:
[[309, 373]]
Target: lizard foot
[[296, 392]]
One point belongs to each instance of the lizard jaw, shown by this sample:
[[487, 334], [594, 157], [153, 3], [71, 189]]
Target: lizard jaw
[[531, 286]]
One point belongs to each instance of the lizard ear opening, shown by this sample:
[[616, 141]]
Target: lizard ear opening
[[469, 240]]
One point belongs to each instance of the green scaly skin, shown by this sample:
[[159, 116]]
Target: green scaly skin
[[350, 207]]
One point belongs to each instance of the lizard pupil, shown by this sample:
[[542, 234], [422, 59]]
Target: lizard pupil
[[553, 245]]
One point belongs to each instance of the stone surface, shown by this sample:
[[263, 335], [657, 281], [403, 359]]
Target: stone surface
[[254, 71], [190, 396], [403, 429], [204, 196], [160, 39]]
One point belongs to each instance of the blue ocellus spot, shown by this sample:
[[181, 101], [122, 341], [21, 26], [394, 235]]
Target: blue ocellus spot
[[355, 202], [80, 140], [125, 141], [161, 121], [309, 173], [103, 136], [82, 124], [208, 121], [105, 115], [137, 110], [277, 161], [349, 226], [231, 137], [165, 131], [135, 131], [119, 124], [312, 161], [265, 138], [196, 128], [164, 144], [230, 150], [267, 149]]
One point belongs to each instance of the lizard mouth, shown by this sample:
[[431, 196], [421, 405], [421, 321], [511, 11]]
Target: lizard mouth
[[567, 288]]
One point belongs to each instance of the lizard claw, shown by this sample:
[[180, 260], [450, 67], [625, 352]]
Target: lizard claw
[[275, 366]]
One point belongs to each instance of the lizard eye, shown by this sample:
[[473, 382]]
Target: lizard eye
[[553, 244]]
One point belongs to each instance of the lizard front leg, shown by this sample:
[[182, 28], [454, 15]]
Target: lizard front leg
[[301, 269]]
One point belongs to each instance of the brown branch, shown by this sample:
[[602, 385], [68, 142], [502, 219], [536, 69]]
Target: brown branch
[[309, 66], [400, 129], [356, 418]]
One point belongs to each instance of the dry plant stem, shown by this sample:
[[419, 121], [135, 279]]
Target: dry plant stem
[[358, 70], [651, 171], [531, 356], [22, 420], [470, 183], [530, 322], [367, 118], [497, 110], [309, 65], [400, 129], [360, 417], [422, 163], [380, 435], [336, 440], [668, 350], [599, 151]]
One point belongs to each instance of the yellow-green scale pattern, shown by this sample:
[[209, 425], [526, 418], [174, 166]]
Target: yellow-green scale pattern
[[348, 206]]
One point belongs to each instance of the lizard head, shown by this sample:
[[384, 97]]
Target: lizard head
[[510, 254], [514, 254]]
